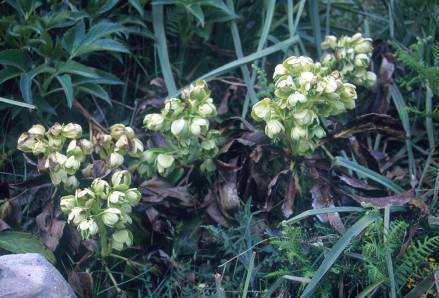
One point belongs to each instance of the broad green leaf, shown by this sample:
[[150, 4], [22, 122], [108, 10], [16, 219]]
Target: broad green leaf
[[17, 58], [73, 67], [16, 103], [73, 37], [335, 252], [18, 242], [96, 90], [318, 211], [340, 161], [197, 12], [137, 6], [107, 6], [110, 45], [66, 83], [26, 81], [8, 73]]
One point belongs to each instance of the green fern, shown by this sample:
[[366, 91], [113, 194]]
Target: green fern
[[416, 255]]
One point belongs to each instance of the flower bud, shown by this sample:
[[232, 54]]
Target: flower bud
[[100, 187], [116, 197], [305, 117], [136, 147], [261, 110], [110, 216], [298, 132], [26, 142], [178, 126], [153, 121], [173, 105], [73, 149], [55, 143], [71, 183], [67, 203], [148, 156], [88, 227], [76, 215], [347, 92], [296, 97], [330, 42], [37, 130], [199, 125], [121, 180], [117, 130], [279, 70], [207, 109], [72, 165], [273, 128], [132, 195], [116, 160], [122, 238], [72, 131], [199, 91]]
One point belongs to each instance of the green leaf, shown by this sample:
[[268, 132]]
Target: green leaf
[[196, 11], [110, 45], [66, 83], [340, 161], [16, 103], [137, 6], [335, 252], [8, 73], [73, 67], [17, 58], [26, 81], [18, 242], [96, 90], [318, 211], [162, 48], [107, 6]]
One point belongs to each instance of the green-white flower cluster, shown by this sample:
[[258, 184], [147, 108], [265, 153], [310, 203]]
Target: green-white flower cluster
[[185, 125], [351, 56], [61, 163], [304, 91], [104, 208]]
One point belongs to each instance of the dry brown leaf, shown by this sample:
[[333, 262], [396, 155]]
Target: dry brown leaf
[[156, 190], [51, 228]]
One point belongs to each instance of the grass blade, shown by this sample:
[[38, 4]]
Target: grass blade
[[249, 274], [322, 211], [17, 103], [162, 49], [335, 252], [340, 161], [389, 262]]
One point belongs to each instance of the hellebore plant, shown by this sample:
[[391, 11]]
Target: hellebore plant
[[306, 90], [184, 124]]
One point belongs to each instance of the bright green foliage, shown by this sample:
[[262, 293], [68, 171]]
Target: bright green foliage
[[185, 125]]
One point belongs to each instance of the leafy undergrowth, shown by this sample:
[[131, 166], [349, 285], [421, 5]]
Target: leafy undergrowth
[[138, 178]]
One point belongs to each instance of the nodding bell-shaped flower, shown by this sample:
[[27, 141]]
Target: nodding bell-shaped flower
[[132, 195], [122, 238], [207, 109], [85, 196], [164, 162], [173, 105], [72, 165], [58, 176], [55, 130], [55, 143], [88, 227], [71, 183], [306, 78], [371, 79], [40, 147], [116, 197], [117, 130], [122, 143], [100, 187], [37, 130], [76, 215], [86, 146], [72, 131], [121, 180], [153, 121], [305, 117], [129, 132], [116, 160], [279, 70], [273, 128], [208, 145], [111, 216], [137, 148], [348, 92], [26, 142], [199, 91], [178, 126], [295, 98], [330, 42], [73, 149], [363, 47], [298, 132], [262, 109], [198, 126], [67, 203]]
